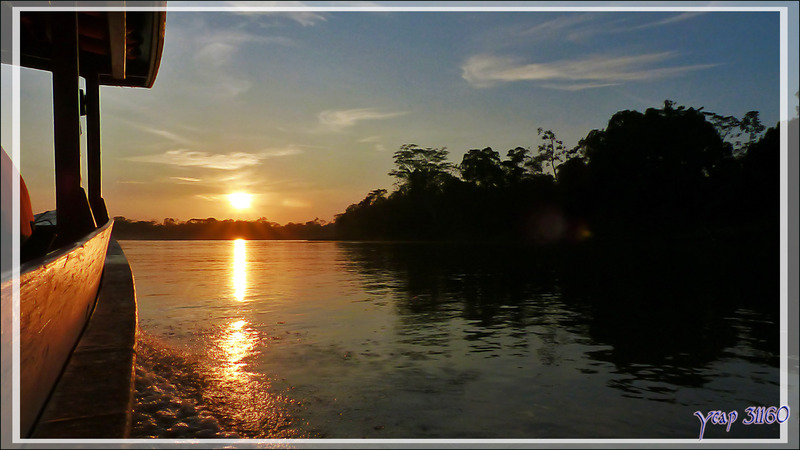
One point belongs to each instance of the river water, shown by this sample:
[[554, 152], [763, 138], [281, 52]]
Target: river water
[[295, 339]]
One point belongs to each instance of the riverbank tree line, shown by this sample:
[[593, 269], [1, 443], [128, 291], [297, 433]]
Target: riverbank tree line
[[671, 172], [211, 228]]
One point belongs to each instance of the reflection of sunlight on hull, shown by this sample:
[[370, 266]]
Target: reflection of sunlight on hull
[[239, 269]]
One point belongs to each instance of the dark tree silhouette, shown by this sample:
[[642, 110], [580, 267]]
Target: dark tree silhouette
[[660, 174], [551, 151], [483, 168], [516, 164], [421, 169], [651, 170], [761, 175], [732, 129], [212, 228]]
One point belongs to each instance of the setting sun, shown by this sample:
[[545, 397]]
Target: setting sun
[[240, 200]]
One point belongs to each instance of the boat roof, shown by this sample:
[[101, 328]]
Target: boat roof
[[122, 48]]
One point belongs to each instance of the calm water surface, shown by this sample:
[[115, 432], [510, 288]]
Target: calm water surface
[[351, 340]]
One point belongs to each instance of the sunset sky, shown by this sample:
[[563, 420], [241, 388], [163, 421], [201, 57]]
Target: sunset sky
[[303, 110]]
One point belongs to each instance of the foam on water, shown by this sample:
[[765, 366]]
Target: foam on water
[[179, 395]]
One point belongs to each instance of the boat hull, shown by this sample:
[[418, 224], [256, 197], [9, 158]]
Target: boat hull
[[57, 295]]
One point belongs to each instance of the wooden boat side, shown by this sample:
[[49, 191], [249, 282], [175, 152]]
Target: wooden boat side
[[57, 294], [105, 357]]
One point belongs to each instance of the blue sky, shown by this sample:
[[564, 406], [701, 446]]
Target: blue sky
[[305, 109]]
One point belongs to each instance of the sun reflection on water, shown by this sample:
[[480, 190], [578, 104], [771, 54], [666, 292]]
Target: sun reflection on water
[[236, 343], [243, 395], [239, 269]]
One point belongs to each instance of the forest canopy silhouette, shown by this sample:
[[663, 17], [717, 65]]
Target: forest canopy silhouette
[[667, 173]]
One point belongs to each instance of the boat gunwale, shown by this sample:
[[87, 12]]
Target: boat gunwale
[[55, 255]]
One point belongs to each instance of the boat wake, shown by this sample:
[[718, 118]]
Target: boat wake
[[179, 395]]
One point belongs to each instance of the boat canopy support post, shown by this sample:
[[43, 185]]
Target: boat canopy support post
[[93, 149], [73, 214]]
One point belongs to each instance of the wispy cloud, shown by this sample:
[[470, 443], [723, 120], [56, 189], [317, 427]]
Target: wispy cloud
[[578, 87], [620, 26], [231, 87], [278, 152], [211, 198], [557, 27], [185, 179], [590, 72], [218, 48], [295, 203], [379, 147], [187, 158], [304, 18], [222, 161], [345, 118], [166, 134], [576, 27], [668, 21], [214, 54]]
